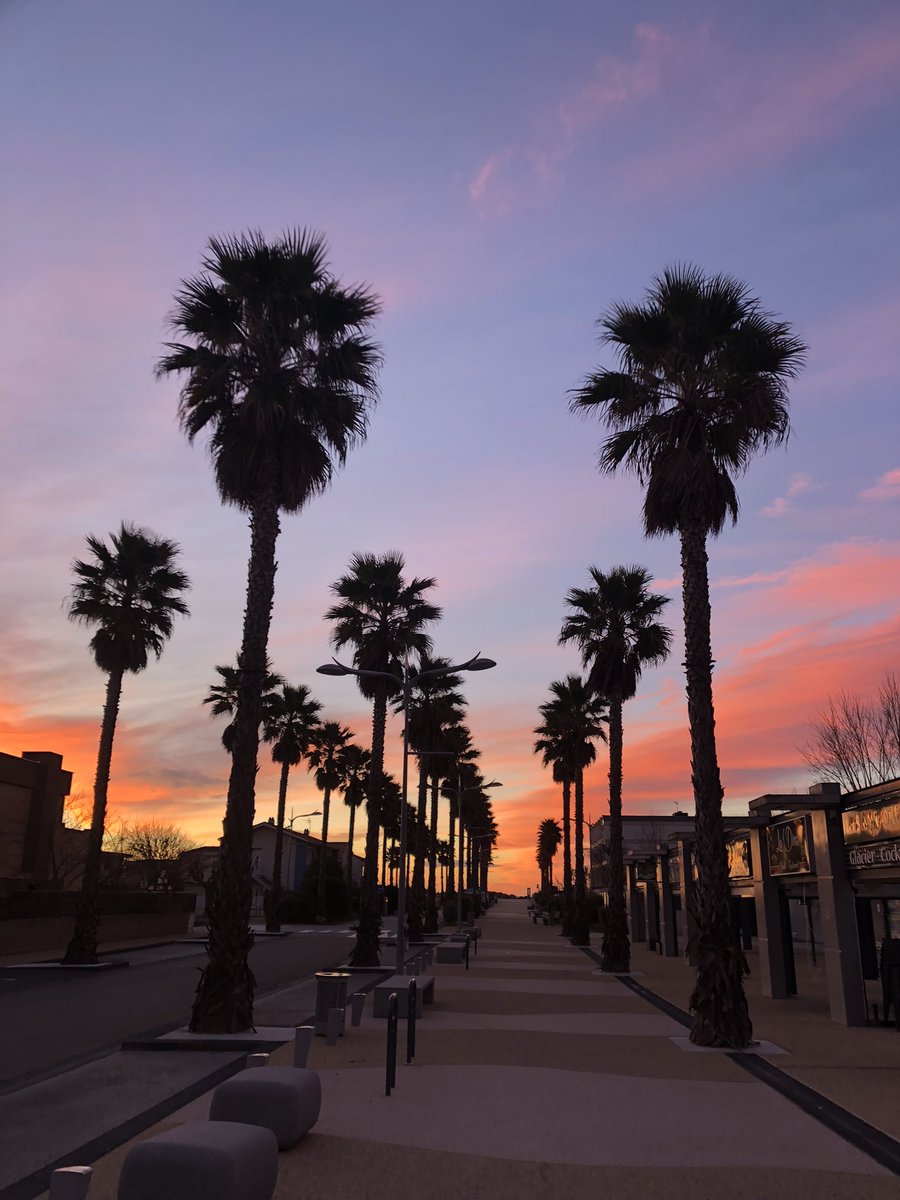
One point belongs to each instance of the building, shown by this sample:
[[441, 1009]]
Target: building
[[33, 789]]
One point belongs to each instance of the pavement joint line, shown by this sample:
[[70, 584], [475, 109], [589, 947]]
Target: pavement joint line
[[880, 1146]]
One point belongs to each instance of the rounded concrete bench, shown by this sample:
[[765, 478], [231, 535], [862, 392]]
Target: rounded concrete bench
[[202, 1160], [286, 1100]]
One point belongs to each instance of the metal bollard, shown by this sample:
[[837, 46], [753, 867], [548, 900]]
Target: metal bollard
[[357, 1004], [303, 1036], [412, 1006], [256, 1060], [467, 953], [333, 1025], [390, 1069], [70, 1183]]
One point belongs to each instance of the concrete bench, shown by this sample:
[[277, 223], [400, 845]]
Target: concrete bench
[[286, 1100], [202, 1160], [400, 985], [451, 952]]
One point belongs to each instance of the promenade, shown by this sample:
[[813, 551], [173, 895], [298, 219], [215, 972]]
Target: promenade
[[537, 1077]]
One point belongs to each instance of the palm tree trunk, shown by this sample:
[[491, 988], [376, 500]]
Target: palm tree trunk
[[273, 921], [616, 949], [321, 914], [568, 913], [580, 932], [224, 999], [431, 913], [415, 908], [82, 947], [451, 868], [350, 845], [365, 952], [719, 1005]]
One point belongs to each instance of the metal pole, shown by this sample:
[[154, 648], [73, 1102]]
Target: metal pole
[[401, 890], [459, 870]]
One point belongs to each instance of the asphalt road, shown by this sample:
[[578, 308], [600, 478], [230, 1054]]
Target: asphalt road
[[51, 1019]]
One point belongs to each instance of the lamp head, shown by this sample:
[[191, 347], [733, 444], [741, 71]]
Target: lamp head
[[333, 668], [480, 664]]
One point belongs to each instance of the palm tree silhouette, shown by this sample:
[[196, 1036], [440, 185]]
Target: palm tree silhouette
[[382, 617], [290, 723], [129, 592], [355, 765], [551, 744], [548, 839], [701, 389], [614, 626], [324, 758], [573, 718], [279, 370], [222, 697]]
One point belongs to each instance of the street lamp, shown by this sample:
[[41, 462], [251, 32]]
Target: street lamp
[[405, 683], [299, 816]]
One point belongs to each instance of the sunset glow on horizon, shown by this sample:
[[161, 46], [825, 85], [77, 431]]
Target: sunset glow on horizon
[[500, 175]]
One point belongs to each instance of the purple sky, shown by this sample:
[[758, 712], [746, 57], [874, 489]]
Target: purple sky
[[499, 173]]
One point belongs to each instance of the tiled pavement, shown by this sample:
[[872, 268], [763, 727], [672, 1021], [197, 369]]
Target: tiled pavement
[[535, 1078]]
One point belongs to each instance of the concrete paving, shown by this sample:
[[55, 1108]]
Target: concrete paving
[[570, 1085]]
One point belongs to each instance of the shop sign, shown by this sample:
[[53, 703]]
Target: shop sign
[[739, 859], [877, 854], [873, 823], [789, 847]]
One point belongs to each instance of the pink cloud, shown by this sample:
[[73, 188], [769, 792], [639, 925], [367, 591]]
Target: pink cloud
[[782, 504], [887, 487]]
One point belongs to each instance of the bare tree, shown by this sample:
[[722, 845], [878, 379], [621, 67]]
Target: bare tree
[[857, 743]]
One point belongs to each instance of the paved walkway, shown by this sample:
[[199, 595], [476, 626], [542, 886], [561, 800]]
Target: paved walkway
[[536, 1077]]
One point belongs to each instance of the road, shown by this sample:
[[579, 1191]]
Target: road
[[51, 1019]]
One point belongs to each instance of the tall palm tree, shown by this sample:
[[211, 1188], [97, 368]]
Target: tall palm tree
[[548, 839], [329, 742], [444, 858], [277, 367], [551, 744], [435, 704], [383, 618], [129, 591], [614, 626], [702, 387], [222, 697], [290, 722], [355, 764], [575, 715]]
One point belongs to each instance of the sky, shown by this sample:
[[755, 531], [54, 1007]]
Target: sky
[[500, 174]]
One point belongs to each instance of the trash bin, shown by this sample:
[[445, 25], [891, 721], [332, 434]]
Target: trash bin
[[331, 992]]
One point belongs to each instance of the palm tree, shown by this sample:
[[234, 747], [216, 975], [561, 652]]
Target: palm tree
[[129, 592], [574, 717], [551, 744], [382, 617], [324, 757], [444, 859], [355, 764], [223, 696], [290, 722], [435, 705], [614, 626], [548, 839], [702, 387], [279, 370]]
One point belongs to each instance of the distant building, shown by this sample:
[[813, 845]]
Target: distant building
[[33, 789]]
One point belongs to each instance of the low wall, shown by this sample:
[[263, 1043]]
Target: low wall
[[159, 916]]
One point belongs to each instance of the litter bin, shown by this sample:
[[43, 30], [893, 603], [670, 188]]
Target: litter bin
[[331, 992]]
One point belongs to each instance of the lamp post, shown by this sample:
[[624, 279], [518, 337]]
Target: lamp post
[[405, 683], [299, 816]]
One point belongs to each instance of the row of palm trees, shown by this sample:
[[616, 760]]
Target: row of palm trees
[[700, 386]]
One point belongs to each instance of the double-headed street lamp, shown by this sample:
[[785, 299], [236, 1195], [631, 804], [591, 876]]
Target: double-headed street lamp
[[405, 682]]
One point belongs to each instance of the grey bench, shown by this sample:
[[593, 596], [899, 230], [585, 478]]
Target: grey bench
[[286, 1100], [400, 985], [202, 1160]]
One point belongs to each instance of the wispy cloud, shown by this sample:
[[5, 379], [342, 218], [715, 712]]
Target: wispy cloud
[[782, 504], [887, 487]]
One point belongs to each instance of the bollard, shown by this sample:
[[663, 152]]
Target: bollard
[[412, 1002], [390, 1069], [256, 1060], [70, 1183], [357, 1003], [334, 1026], [467, 953], [303, 1036]]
